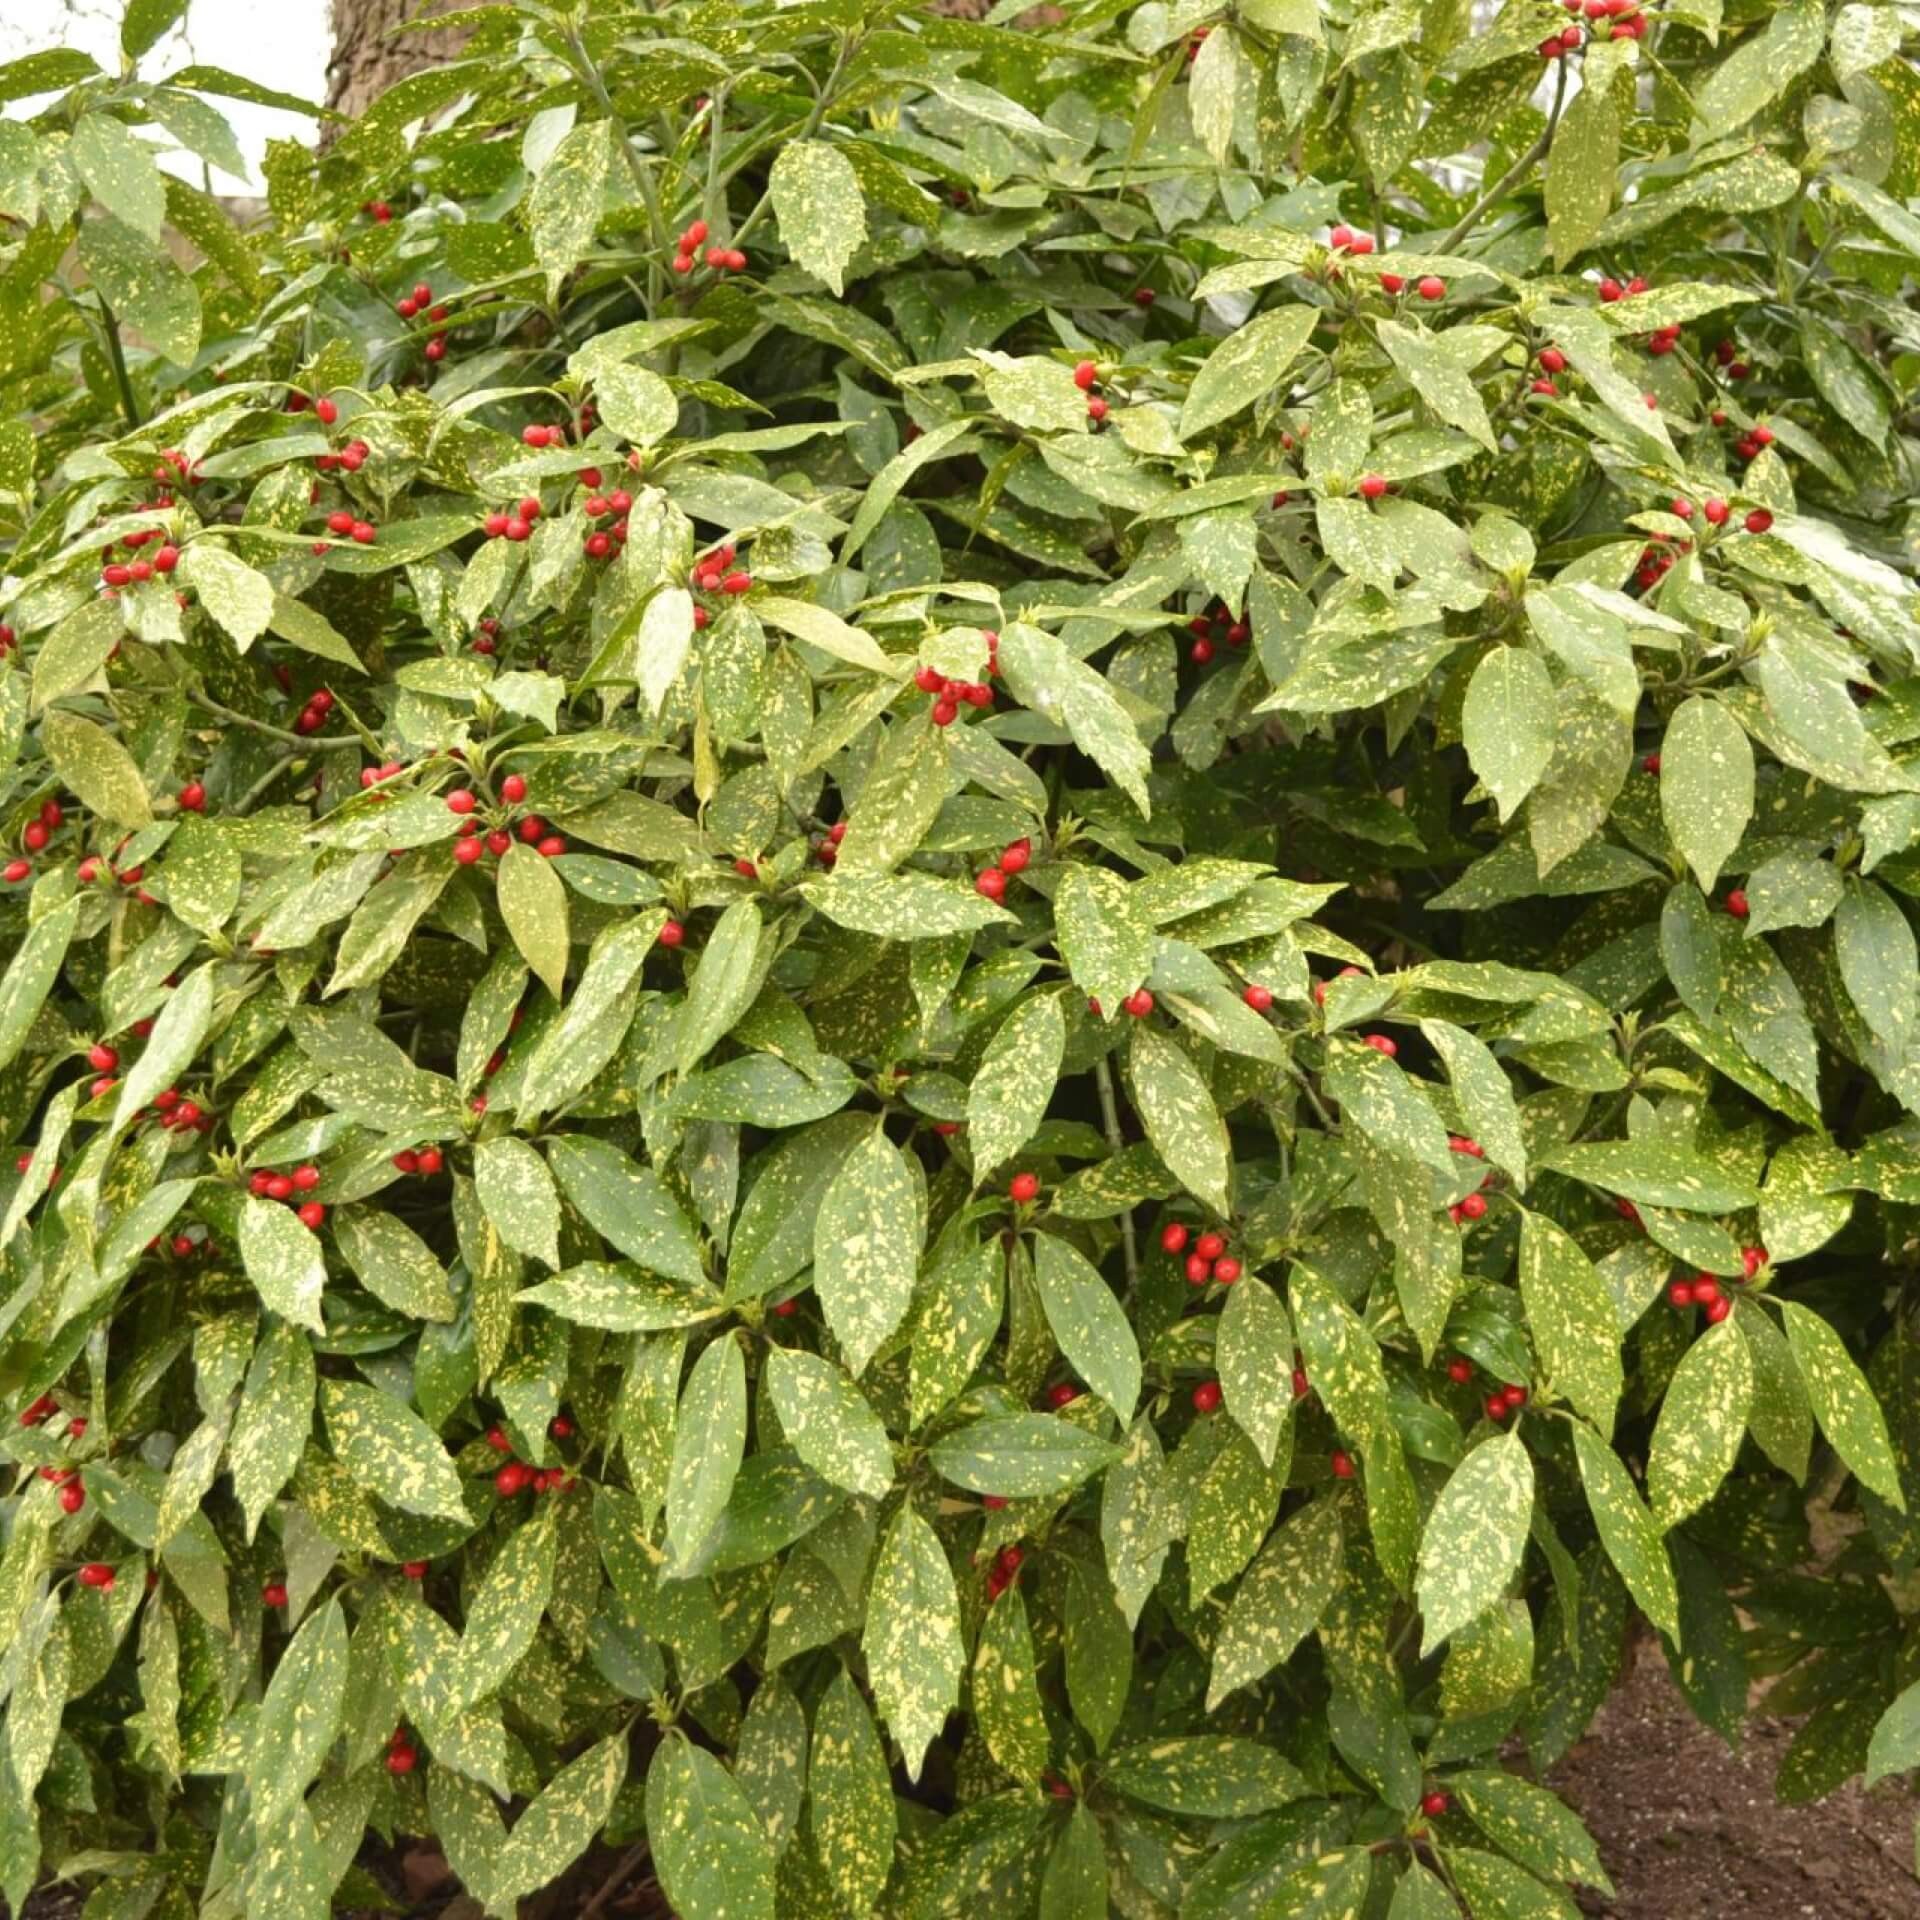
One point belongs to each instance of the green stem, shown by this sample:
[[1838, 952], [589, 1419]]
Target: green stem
[[1515, 173], [111, 328], [1110, 1121], [205, 701]]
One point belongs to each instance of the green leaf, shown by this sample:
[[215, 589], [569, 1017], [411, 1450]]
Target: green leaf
[[1509, 723], [1253, 1354], [1632, 1541], [1496, 1889], [1532, 1825], [146, 289], [1843, 1403], [97, 767], [866, 1248], [818, 204], [723, 984], [709, 1440], [901, 906], [564, 207], [1895, 1747], [391, 1451], [1088, 1322], [76, 650], [564, 1818], [120, 172], [1655, 1173], [1572, 1316], [393, 1263], [1878, 964], [912, 1638], [851, 1791], [241, 600], [518, 1196], [533, 903], [1104, 933], [30, 976], [624, 1299], [300, 1716], [829, 1422], [503, 1612], [1074, 1886], [1475, 1536], [274, 1420], [1279, 1601], [284, 1262], [1583, 161], [1006, 1700], [1177, 1109], [1214, 1776], [1020, 1455], [145, 21], [1245, 366], [628, 1205], [1485, 1095], [1702, 1422], [1706, 785]]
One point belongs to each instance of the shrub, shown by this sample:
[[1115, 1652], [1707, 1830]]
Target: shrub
[[954, 958]]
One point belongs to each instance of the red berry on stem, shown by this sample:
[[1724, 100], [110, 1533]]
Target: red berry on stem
[[1206, 1396], [1024, 1188]]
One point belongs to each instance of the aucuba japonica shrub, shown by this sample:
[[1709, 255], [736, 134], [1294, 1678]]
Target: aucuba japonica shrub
[[956, 963]]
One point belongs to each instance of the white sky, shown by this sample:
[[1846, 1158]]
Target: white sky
[[280, 43]]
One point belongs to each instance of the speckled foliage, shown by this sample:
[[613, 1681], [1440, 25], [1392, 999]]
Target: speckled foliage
[[947, 967]]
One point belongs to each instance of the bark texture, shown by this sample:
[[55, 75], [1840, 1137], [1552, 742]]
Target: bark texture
[[368, 56]]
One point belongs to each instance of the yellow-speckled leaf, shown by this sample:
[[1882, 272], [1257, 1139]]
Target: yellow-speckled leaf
[[300, 1715], [274, 1421], [1006, 1701], [852, 1793], [1014, 1082], [817, 201], [1706, 784], [390, 1450], [1280, 1600], [1475, 1536], [1088, 1322], [1213, 1775], [503, 1612], [97, 768], [1181, 1119], [564, 1819], [393, 1263], [1702, 1422], [1571, 1312], [533, 903], [518, 1195], [912, 1638], [1843, 1402], [1253, 1355], [866, 1248], [283, 1260], [829, 1421], [1632, 1541], [1532, 1825]]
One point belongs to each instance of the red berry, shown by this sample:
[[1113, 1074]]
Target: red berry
[[1473, 1206], [1610, 291], [1173, 1238], [193, 797], [306, 1178], [1258, 998], [945, 712], [1431, 287], [1024, 1188], [1460, 1371], [1719, 1310], [1210, 1246], [498, 842], [414, 1569], [96, 1573], [1552, 360], [1143, 296], [273, 1594], [1737, 903], [1759, 520], [930, 680], [1199, 1270], [1016, 858], [1139, 1003], [1752, 1259], [1496, 1406], [1086, 375], [1716, 512], [513, 788], [1062, 1394], [18, 869], [1391, 283], [103, 1059], [1200, 652], [1372, 486], [468, 852], [991, 883], [279, 1187], [1433, 1805], [1680, 1293], [407, 1161], [311, 1215], [1342, 1464], [513, 1478], [460, 800], [1096, 408], [73, 1496], [1383, 1043], [1226, 1270], [401, 1759], [1206, 1396], [430, 1160], [550, 845]]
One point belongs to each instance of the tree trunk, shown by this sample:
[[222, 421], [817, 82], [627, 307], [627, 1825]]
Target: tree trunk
[[368, 57]]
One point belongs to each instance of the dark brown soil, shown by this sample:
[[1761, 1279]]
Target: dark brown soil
[[1692, 1832]]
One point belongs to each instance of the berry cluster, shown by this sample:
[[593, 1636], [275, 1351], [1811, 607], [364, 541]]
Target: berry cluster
[[1005, 1570], [1556, 46], [349, 526], [991, 882], [1086, 376], [422, 1160], [1656, 560], [96, 1574], [516, 1476], [402, 1756], [1209, 1259], [1211, 627], [1320, 986], [121, 573], [174, 469], [950, 695], [179, 1115], [1504, 1401], [543, 436], [73, 1492], [611, 507], [487, 637], [720, 259], [827, 847], [1611, 290], [714, 572], [35, 835], [386, 770], [1624, 19], [350, 459], [268, 1185], [514, 523], [420, 301]]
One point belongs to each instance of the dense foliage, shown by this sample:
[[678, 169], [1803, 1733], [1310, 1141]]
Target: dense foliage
[[956, 962]]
